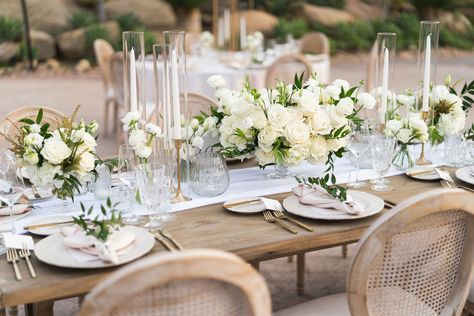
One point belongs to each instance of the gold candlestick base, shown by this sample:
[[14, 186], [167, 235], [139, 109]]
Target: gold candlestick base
[[422, 161], [179, 196]]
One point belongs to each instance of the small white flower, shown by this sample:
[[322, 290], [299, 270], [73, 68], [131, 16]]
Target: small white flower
[[31, 157], [136, 138], [198, 142], [267, 136], [333, 92], [259, 120], [393, 126], [439, 93], [153, 130], [341, 84], [404, 135], [336, 144], [336, 120], [35, 128], [345, 106], [318, 148], [216, 82], [130, 119], [76, 135], [210, 123], [143, 151], [308, 102], [33, 139], [407, 101], [93, 127], [366, 100]]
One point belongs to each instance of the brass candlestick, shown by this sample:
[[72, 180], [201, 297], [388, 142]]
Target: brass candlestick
[[179, 197], [422, 161]]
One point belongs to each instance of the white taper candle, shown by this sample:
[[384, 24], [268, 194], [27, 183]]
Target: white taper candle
[[133, 82], [426, 78], [175, 96]]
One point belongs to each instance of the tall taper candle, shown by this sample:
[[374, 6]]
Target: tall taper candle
[[243, 32], [426, 78], [383, 108], [227, 25], [175, 97], [133, 82]]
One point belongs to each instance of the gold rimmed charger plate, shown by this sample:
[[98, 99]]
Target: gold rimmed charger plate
[[372, 205], [51, 250]]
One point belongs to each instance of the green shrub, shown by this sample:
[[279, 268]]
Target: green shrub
[[149, 41], [81, 18], [457, 40], [10, 29], [23, 52], [186, 4], [297, 28], [275, 7], [93, 32], [129, 22], [339, 4]]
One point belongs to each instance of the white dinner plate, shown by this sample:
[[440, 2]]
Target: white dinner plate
[[372, 205], [51, 250], [466, 174], [254, 205], [426, 176], [49, 230], [5, 219]]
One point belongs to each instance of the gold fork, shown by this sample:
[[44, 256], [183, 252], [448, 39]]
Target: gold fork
[[12, 257], [166, 234], [163, 241], [25, 254], [281, 215], [450, 185], [270, 219]]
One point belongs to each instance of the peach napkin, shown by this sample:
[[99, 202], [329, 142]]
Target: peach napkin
[[319, 197], [109, 251]]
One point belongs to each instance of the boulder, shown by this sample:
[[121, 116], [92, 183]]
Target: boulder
[[154, 14], [324, 15], [261, 21], [362, 10], [50, 16], [44, 44], [8, 51], [83, 66], [53, 64], [72, 44], [456, 22]]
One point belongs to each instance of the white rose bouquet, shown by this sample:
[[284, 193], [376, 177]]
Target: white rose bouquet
[[286, 125], [60, 159], [140, 134]]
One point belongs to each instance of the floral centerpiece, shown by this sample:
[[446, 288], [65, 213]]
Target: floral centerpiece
[[61, 159], [286, 125], [206, 40], [255, 46]]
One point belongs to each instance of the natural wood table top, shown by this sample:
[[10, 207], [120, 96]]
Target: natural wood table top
[[248, 236]]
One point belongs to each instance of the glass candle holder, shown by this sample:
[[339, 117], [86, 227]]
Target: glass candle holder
[[384, 74]]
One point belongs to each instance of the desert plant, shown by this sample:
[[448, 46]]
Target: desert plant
[[338, 4], [186, 4], [275, 7], [93, 32], [10, 29], [129, 22], [23, 52], [297, 28], [81, 18]]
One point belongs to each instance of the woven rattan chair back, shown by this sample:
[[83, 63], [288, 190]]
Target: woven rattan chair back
[[194, 282], [416, 259], [103, 54], [315, 43], [198, 102], [10, 123], [285, 68]]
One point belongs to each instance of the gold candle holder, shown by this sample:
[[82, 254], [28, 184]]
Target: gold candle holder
[[179, 196], [422, 161]]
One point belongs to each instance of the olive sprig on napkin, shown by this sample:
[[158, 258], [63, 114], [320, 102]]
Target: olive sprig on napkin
[[100, 228], [336, 191]]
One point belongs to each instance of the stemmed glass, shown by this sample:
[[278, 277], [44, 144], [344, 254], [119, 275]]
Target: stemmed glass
[[11, 184], [150, 182], [358, 145], [127, 175], [382, 149]]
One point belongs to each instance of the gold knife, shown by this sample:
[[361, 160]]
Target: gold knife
[[163, 241], [421, 172], [242, 203], [47, 225], [167, 235]]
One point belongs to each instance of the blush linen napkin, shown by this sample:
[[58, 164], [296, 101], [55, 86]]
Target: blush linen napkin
[[317, 196], [88, 248]]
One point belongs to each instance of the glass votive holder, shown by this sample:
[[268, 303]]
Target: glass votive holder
[[209, 174]]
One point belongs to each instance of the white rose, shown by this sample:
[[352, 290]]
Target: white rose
[[336, 144], [137, 137], [264, 158], [321, 123], [336, 119], [267, 135], [88, 143], [404, 135], [33, 139], [259, 120], [333, 92], [341, 84], [297, 133], [55, 151], [210, 123], [216, 82], [278, 116], [297, 154], [143, 151], [393, 126], [241, 108], [318, 148], [366, 100], [308, 102], [35, 128], [313, 84], [294, 114], [345, 106], [198, 142], [86, 162], [153, 129]]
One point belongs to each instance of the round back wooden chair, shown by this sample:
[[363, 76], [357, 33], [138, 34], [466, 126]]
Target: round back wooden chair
[[10, 123], [116, 69], [285, 68], [193, 282], [198, 102], [315, 43], [416, 259]]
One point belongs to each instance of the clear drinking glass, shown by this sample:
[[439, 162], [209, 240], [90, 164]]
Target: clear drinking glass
[[382, 149], [150, 182], [209, 174], [358, 145], [165, 204], [11, 184], [455, 150]]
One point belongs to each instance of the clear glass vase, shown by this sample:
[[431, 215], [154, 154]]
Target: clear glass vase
[[281, 172], [403, 158], [209, 174]]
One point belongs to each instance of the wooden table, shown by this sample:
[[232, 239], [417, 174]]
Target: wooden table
[[248, 236]]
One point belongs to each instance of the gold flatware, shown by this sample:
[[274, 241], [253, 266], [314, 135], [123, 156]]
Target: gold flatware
[[48, 225], [163, 241], [451, 185], [166, 234], [421, 172], [242, 203], [281, 215], [12, 257], [270, 219], [25, 254]]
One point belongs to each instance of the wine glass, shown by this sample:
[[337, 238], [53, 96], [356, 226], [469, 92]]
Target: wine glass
[[150, 183], [165, 206], [358, 145], [382, 149], [11, 184]]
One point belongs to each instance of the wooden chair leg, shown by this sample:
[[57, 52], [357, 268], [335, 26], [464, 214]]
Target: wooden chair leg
[[106, 117], [344, 251], [3, 311], [13, 311], [115, 116], [290, 259], [300, 271]]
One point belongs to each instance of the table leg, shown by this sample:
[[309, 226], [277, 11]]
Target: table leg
[[13, 311], [344, 251], [44, 308], [290, 259], [3, 311], [300, 271]]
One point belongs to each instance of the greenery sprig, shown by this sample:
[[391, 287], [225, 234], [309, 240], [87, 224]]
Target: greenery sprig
[[469, 134], [334, 190], [100, 228]]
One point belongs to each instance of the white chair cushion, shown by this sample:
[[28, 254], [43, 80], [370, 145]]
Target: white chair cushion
[[331, 305]]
